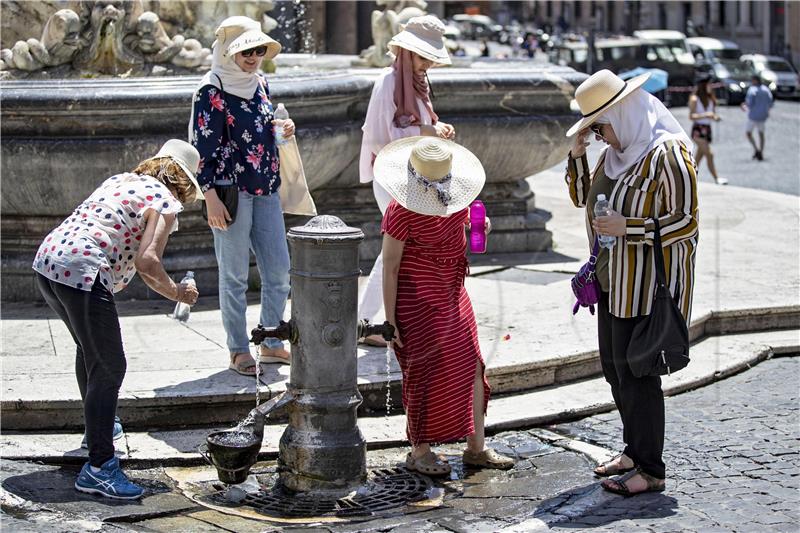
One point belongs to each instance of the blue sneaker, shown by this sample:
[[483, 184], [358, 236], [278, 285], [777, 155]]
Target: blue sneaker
[[110, 482], [118, 433]]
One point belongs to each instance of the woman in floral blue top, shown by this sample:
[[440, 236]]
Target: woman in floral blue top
[[243, 151]]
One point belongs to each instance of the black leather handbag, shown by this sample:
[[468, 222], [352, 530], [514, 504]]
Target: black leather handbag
[[228, 193], [659, 343]]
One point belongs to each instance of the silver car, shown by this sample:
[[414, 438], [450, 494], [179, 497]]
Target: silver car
[[776, 73]]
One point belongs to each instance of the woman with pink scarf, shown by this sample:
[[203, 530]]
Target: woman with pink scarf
[[400, 106]]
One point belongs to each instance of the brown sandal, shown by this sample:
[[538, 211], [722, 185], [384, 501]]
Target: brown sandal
[[243, 367], [429, 464], [488, 458], [609, 470], [653, 483]]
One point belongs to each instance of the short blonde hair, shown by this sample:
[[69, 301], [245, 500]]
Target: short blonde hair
[[168, 172]]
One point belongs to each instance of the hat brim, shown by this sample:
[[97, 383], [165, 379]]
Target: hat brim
[[412, 43], [252, 39], [198, 192], [631, 85], [391, 172]]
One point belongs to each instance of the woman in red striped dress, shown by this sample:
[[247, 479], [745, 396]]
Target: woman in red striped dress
[[445, 392]]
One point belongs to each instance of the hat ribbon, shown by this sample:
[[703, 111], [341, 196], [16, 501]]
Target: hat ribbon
[[587, 115], [438, 186]]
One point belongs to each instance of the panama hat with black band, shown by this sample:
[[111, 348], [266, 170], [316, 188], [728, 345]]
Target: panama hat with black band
[[600, 91]]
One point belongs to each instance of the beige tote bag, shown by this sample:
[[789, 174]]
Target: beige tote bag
[[295, 198]]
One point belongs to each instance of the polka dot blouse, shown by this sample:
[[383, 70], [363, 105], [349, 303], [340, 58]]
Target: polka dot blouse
[[100, 239]]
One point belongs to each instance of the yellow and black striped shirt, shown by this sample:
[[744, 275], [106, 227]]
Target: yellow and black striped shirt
[[666, 178]]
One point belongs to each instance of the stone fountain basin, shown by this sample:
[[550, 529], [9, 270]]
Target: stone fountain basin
[[61, 138]]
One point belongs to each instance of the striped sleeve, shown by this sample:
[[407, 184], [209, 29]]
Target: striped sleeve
[[397, 221], [679, 204], [578, 180]]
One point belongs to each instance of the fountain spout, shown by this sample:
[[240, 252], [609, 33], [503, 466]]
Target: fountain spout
[[285, 331], [385, 330], [260, 414]]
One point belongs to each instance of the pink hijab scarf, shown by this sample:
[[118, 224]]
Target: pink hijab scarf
[[408, 86]]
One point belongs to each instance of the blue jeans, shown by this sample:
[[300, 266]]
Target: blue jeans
[[258, 227]]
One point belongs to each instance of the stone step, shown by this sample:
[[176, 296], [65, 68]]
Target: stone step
[[713, 358]]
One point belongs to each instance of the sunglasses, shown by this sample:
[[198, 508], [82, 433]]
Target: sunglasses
[[597, 129], [260, 51]]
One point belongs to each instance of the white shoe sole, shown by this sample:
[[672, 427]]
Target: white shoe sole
[[105, 494]]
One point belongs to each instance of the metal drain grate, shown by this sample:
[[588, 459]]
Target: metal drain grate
[[386, 489]]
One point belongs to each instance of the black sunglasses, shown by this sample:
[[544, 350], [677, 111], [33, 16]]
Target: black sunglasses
[[597, 129], [260, 51]]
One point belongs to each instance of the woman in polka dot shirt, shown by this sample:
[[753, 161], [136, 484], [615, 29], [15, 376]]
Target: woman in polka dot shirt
[[120, 229]]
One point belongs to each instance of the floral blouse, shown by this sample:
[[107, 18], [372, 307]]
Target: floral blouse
[[100, 239], [249, 157]]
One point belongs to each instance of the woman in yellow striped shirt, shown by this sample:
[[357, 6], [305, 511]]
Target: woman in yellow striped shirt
[[646, 171]]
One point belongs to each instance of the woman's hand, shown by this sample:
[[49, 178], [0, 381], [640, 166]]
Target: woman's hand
[[488, 228], [579, 143], [395, 342], [288, 128], [218, 216], [445, 130], [613, 225], [187, 293], [716, 117]]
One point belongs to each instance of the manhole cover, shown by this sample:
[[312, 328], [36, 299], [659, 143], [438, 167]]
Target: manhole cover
[[386, 489]]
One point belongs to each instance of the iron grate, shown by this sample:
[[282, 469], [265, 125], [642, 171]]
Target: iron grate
[[386, 489]]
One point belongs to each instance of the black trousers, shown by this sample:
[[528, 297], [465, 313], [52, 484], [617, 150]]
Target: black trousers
[[640, 401], [91, 318]]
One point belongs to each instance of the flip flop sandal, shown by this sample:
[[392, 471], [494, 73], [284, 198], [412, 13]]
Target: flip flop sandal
[[653, 484], [488, 458], [243, 365], [268, 358], [609, 470], [429, 464]]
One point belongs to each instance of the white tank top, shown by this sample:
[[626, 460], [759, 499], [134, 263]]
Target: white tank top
[[700, 109]]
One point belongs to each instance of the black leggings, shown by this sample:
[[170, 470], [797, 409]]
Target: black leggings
[[91, 318], [640, 401]]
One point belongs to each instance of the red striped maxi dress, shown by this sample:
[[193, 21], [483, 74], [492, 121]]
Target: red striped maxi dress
[[437, 325]]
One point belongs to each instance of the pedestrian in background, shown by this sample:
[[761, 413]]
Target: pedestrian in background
[[757, 104], [120, 229], [702, 113], [647, 171], [445, 393], [232, 127], [400, 106]]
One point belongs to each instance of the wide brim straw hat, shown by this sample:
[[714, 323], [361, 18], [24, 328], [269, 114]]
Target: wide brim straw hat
[[599, 92], [243, 33], [401, 163], [425, 37], [186, 156]]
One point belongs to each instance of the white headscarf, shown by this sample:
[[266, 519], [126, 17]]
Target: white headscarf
[[640, 122]]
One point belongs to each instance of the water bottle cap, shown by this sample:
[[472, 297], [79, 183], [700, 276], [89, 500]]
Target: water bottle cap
[[190, 274], [601, 197]]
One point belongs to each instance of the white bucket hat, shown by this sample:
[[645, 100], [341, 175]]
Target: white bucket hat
[[243, 33], [423, 36], [429, 175], [600, 91], [186, 156]]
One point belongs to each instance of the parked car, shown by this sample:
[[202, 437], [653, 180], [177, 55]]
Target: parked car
[[674, 39], [777, 73], [721, 59], [477, 27], [627, 53]]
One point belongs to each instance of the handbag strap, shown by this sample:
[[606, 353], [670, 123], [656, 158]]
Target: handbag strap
[[661, 272], [227, 125], [595, 252]]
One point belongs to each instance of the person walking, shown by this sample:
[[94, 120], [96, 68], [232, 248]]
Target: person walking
[[702, 112], [232, 127], [647, 171], [757, 104], [400, 106], [122, 228], [445, 392]]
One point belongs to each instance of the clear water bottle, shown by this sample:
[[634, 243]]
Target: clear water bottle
[[281, 115], [182, 309], [602, 209]]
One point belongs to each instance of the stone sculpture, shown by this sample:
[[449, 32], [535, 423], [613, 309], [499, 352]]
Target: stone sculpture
[[388, 23], [58, 45]]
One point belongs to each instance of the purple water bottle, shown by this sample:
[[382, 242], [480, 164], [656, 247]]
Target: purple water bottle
[[477, 232]]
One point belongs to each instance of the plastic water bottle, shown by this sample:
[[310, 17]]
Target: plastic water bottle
[[477, 231], [602, 209], [182, 309], [281, 115]]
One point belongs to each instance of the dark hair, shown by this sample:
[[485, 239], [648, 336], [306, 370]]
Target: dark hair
[[704, 92]]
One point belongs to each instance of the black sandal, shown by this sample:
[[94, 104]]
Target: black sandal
[[653, 484], [609, 470]]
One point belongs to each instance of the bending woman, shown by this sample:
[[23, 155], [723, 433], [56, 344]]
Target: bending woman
[[445, 392], [646, 171], [400, 106], [231, 126]]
